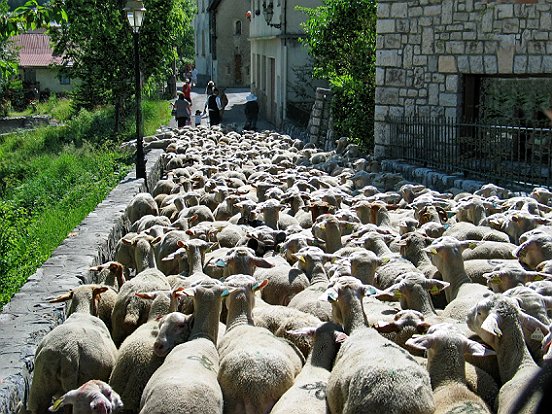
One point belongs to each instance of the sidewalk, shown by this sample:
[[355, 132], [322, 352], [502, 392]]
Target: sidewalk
[[233, 113]]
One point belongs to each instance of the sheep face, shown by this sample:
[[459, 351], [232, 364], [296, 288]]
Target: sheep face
[[93, 397], [174, 329]]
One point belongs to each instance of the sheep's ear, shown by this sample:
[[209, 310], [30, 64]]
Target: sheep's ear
[[538, 276], [340, 337], [95, 269], [62, 298], [386, 327], [146, 295], [330, 295], [421, 342], [156, 240], [306, 331], [390, 295], [126, 241], [435, 286], [99, 290], [189, 292], [260, 285], [180, 243], [490, 325], [212, 246], [299, 258], [260, 262], [476, 349], [468, 244]]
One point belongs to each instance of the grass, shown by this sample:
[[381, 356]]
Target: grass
[[51, 178]]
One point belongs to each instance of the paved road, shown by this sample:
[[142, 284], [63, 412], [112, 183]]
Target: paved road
[[233, 113]]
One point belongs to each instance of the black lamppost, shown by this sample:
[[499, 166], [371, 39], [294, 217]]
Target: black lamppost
[[135, 11]]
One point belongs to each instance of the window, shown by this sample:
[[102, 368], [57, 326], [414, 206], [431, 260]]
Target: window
[[238, 28], [64, 79]]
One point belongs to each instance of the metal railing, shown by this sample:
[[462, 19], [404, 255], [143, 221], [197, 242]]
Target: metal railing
[[513, 154]]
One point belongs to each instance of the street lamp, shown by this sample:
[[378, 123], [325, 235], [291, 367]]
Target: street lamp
[[135, 11]]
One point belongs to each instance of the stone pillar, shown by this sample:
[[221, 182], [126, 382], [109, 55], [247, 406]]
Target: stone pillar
[[319, 121]]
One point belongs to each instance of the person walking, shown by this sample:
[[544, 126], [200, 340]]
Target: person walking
[[195, 72], [251, 110], [213, 105], [209, 88], [187, 90], [181, 110]]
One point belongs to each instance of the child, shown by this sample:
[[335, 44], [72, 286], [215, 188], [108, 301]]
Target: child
[[197, 118]]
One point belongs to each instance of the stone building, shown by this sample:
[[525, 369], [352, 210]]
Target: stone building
[[433, 56], [222, 43]]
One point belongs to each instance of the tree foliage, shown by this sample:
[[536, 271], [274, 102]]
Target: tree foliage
[[97, 46], [341, 40]]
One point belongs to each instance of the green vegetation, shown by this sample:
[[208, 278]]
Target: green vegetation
[[51, 178], [341, 40]]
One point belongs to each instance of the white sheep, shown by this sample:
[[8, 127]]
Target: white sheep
[[445, 352], [92, 397], [498, 321], [79, 350], [193, 386], [462, 294], [371, 373], [137, 361], [97, 300], [256, 367], [142, 204], [308, 393], [131, 311], [311, 261]]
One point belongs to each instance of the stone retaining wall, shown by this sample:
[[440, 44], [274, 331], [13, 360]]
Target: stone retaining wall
[[28, 317], [425, 49], [17, 122]]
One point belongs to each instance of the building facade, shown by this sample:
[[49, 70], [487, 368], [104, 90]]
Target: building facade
[[277, 56], [222, 43], [434, 56]]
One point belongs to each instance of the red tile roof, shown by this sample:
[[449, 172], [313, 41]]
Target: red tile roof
[[35, 50]]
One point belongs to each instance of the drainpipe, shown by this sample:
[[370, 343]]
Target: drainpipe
[[285, 61]]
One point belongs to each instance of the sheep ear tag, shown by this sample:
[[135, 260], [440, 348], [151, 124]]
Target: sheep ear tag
[[220, 263], [368, 291], [537, 335], [329, 295], [434, 290], [56, 405]]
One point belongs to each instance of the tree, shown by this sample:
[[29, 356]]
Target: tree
[[341, 40], [96, 43]]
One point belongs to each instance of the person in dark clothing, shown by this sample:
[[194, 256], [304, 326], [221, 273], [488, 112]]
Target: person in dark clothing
[[182, 109], [251, 112], [213, 105]]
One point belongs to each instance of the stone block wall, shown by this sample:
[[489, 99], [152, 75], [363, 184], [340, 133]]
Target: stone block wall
[[319, 127], [425, 47], [28, 317]]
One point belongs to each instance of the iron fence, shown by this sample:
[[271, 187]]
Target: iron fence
[[512, 154]]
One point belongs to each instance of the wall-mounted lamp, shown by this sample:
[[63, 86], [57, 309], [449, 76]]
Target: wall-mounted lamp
[[268, 11]]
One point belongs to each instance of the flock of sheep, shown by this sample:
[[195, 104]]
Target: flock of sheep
[[261, 275]]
